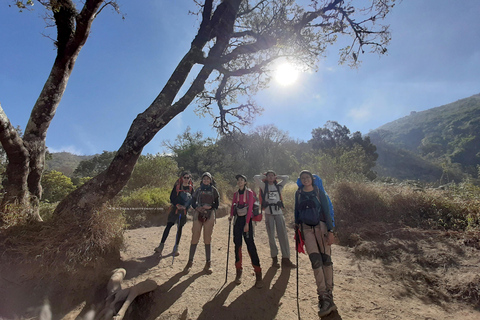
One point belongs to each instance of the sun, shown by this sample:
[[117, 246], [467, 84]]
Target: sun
[[286, 74]]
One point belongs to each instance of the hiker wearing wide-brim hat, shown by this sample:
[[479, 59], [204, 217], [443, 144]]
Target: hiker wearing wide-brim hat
[[270, 195], [314, 223], [180, 198], [242, 213], [205, 202]]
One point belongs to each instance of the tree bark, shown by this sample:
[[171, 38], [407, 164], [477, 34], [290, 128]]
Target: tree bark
[[26, 157]]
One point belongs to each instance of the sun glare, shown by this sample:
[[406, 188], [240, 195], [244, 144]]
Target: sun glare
[[286, 74]]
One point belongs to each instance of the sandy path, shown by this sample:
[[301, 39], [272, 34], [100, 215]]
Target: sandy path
[[363, 288]]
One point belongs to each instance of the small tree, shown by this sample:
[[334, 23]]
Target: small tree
[[153, 171], [56, 186]]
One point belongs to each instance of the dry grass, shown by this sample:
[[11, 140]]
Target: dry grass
[[61, 245], [360, 208], [424, 237]]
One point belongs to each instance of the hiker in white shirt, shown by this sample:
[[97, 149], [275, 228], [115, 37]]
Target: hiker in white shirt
[[271, 186]]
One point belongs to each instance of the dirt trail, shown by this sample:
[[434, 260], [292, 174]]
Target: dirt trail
[[363, 287]]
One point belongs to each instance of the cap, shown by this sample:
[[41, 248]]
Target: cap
[[240, 176]]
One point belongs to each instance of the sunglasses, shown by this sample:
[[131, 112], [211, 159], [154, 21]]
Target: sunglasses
[[186, 177]]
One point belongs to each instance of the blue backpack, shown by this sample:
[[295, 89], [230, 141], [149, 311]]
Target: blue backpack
[[317, 181]]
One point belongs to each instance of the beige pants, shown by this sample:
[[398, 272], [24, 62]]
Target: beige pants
[[207, 228], [320, 255]]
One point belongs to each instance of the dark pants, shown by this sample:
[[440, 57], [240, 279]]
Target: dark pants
[[248, 237], [167, 231]]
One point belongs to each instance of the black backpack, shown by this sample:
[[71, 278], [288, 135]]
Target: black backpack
[[308, 212]]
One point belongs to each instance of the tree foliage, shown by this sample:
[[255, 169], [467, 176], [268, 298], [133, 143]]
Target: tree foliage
[[56, 186], [336, 141]]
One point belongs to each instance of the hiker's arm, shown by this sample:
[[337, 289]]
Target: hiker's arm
[[251, 200], [258, 181], [296, 208], [234, 200], [216, 197], [194, 198], [330, 238], [173, 195], [326, 210], [283, 179]]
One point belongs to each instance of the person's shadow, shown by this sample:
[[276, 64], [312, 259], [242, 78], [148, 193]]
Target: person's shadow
[[254, 303]]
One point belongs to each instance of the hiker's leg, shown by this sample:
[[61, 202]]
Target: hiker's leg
[[315, 256], [237, 240], [282, 236], [166, 232], [196, 229], [179, 233], [208, 228], [326, 251], [252, 249], [270, 226]]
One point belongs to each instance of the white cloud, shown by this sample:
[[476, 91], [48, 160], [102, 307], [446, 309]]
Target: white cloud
[[361, 114], [70, 149]]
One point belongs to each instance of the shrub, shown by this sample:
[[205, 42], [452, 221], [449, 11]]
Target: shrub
[[363, 210], [146, 197]]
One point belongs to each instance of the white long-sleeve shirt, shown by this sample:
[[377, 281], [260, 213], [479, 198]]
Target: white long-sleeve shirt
[[271, 196]]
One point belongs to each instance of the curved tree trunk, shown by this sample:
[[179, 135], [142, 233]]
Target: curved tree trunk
[[15, 187], [84, 201], [26, 157]]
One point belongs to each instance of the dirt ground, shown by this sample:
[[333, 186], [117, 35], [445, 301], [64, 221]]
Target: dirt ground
[[412, 284]]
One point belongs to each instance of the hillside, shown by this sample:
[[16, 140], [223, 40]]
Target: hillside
[[423, 143], [64, 162]]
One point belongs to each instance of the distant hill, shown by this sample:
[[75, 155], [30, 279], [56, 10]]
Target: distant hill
[[65, 162], [426, 144]]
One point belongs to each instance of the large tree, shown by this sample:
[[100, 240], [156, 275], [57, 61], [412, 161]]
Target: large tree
[[235, 46], [26, 154]]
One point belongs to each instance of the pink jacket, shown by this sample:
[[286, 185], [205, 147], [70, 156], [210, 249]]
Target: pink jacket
[[246, 198]]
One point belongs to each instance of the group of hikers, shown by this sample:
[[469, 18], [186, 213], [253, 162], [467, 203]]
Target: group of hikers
[[313, 224]]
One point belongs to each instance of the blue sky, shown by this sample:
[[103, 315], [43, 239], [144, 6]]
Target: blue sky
[[433, 59]]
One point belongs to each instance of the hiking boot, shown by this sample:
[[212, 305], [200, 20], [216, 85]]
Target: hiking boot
[[286, 263], [326, 306], [239, 275], [159, 249], [258, 280], [188, 266], [275, 262], [208, 268]]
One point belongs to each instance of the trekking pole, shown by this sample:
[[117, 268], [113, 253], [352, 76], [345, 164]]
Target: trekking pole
[[228, 249], [297, 241], [176, 238]]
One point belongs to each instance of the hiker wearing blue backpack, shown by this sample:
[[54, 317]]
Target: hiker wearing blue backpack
[[314, 221], [180, 198], [271, 186], [242, 214]]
